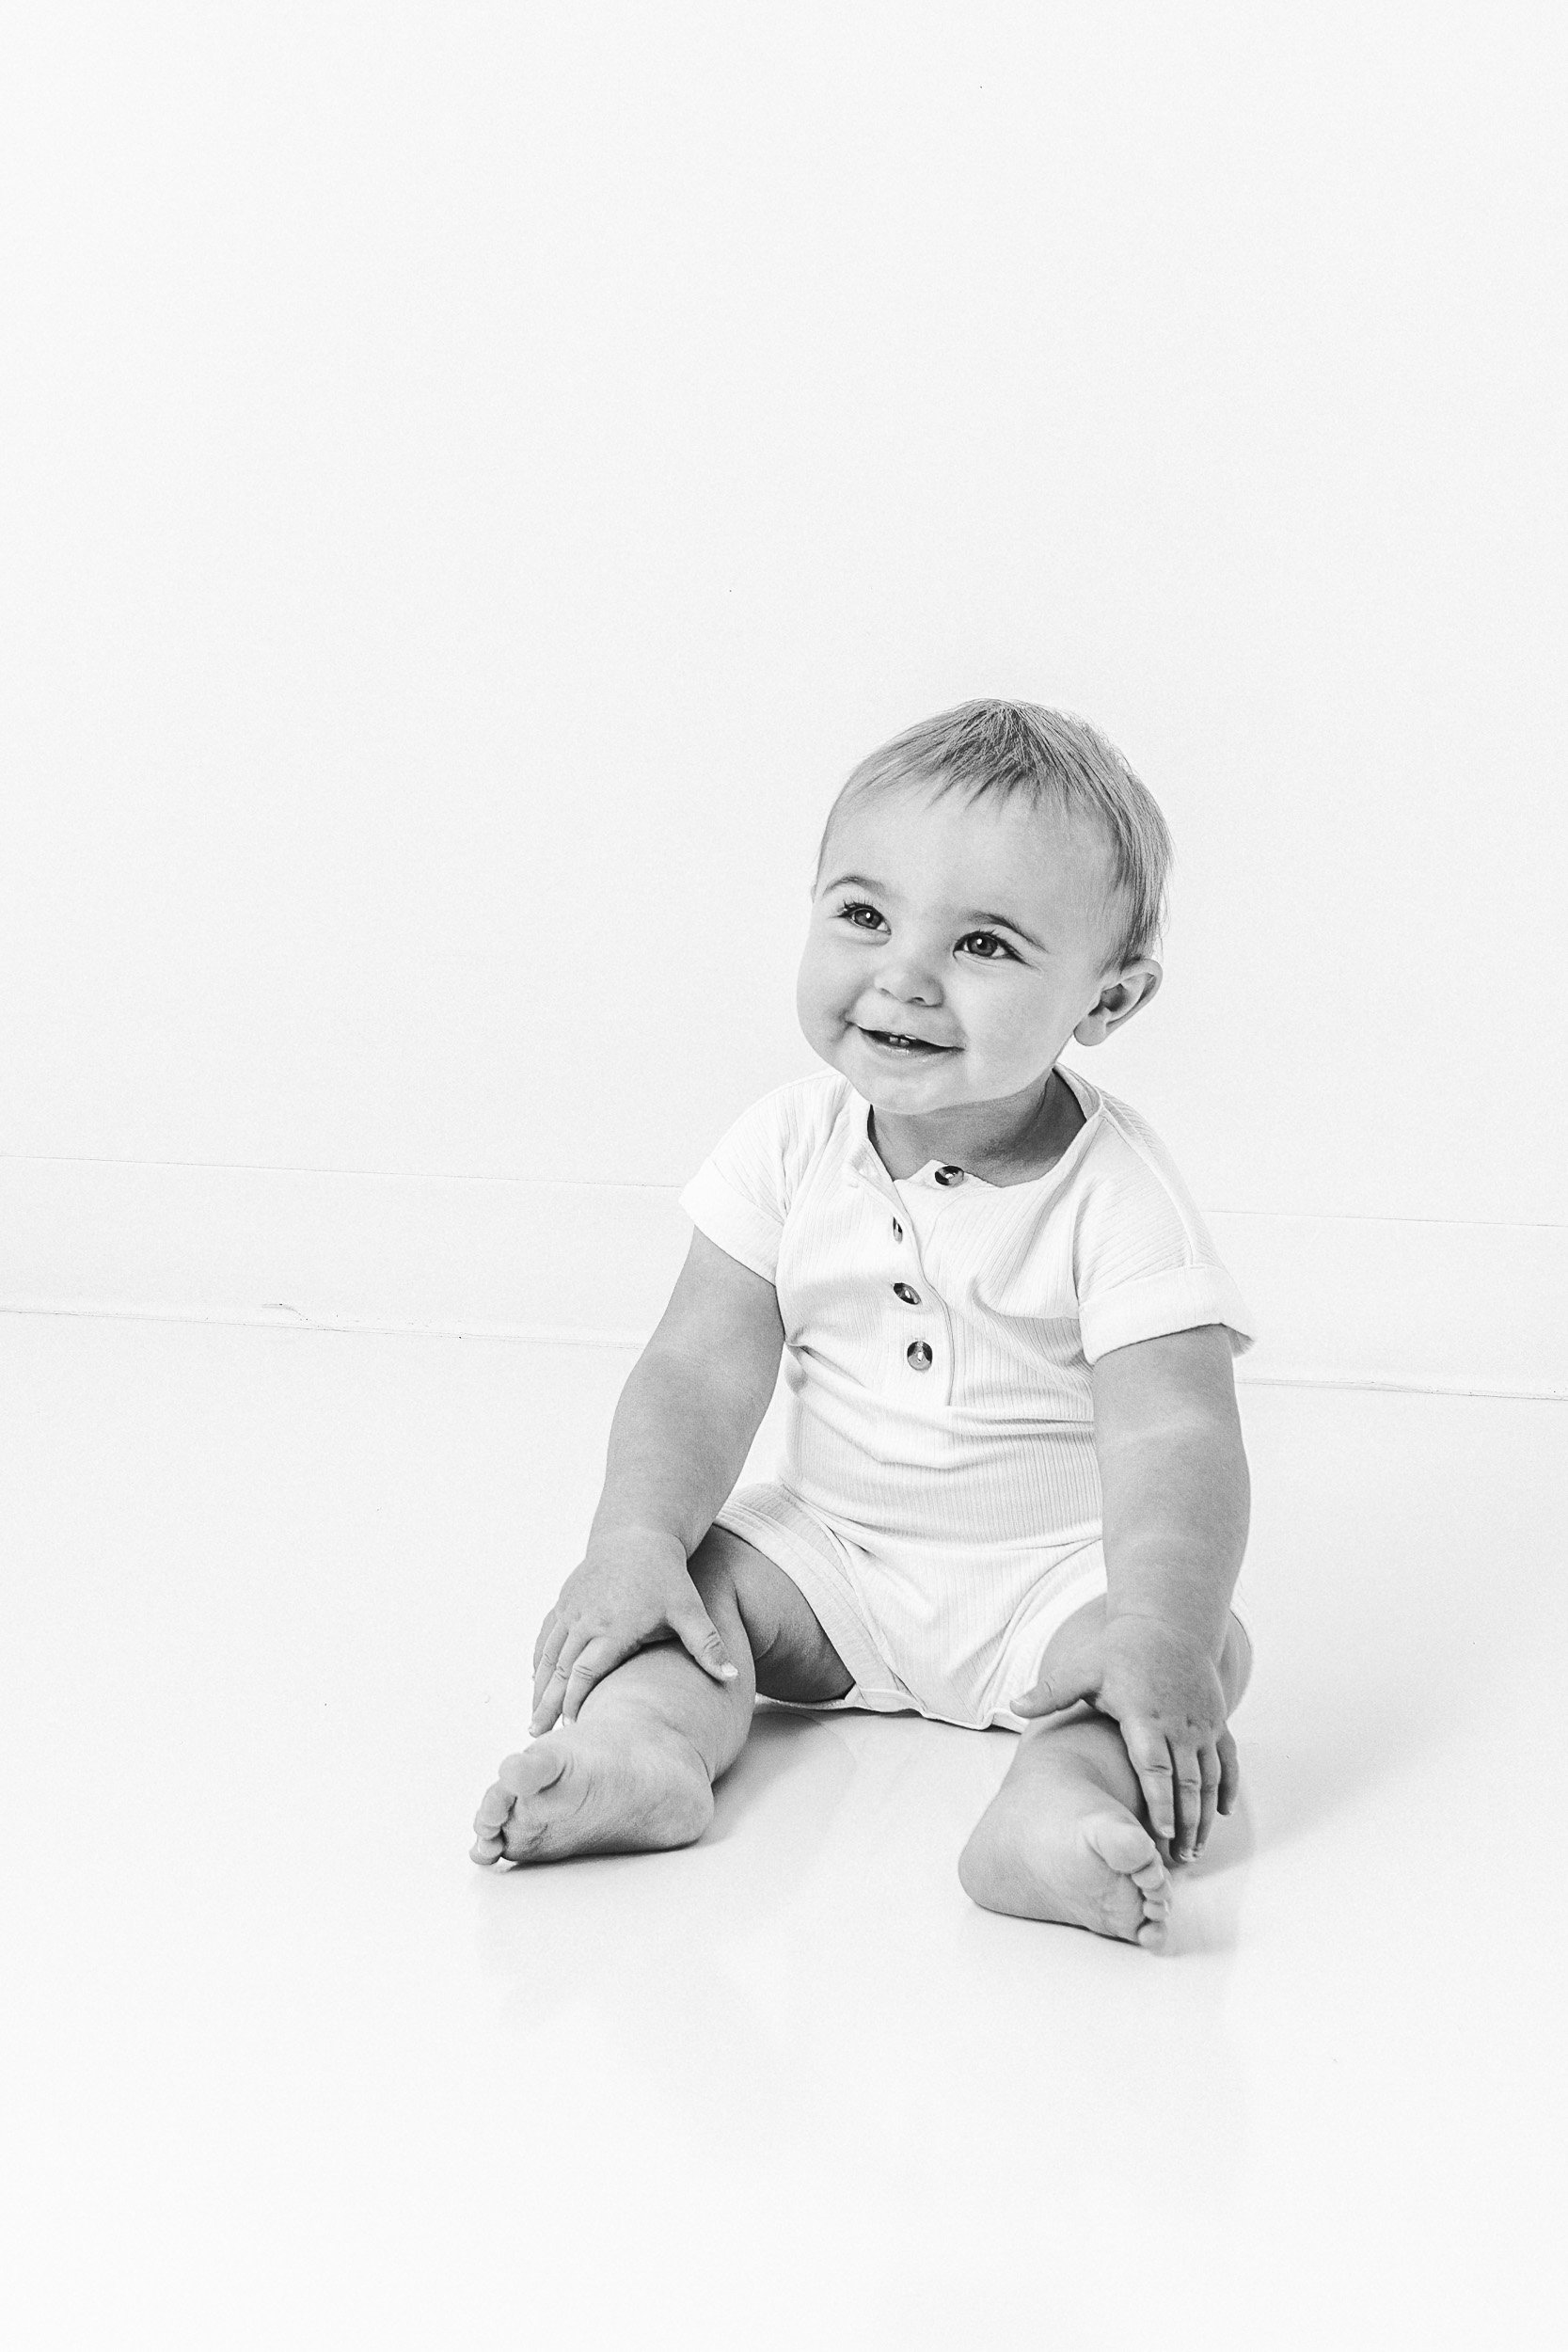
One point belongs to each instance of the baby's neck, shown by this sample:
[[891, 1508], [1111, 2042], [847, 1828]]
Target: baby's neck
[[1030, 1155]]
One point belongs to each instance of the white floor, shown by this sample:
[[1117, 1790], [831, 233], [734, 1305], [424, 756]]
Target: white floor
[[282, 2067]]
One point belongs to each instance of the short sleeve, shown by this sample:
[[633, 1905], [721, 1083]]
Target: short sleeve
[[740, 1195], [1144, 1261]]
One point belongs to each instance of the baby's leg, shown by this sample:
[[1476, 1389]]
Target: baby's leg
[[1067, 1836], [636, 1770]]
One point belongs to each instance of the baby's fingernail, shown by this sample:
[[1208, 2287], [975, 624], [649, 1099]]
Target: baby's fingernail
[[729, 1673]]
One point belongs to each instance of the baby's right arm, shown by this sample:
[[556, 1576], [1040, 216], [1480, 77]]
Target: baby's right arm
[[681, 1430]]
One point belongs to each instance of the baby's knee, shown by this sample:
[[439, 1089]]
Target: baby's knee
[[711, 1568], [793, 1655], [1235, 1667]]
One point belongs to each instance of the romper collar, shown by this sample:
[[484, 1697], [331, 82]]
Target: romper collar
[[948, 1175]]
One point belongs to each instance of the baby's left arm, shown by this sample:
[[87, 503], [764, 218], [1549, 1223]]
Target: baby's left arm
[[1177, 1499]]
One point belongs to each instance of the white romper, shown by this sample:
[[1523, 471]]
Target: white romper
[[938, 1500]]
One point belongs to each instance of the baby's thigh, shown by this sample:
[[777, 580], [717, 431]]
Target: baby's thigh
[[793, 1657]]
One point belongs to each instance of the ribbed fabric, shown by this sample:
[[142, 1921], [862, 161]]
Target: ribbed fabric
[[955, 1489]]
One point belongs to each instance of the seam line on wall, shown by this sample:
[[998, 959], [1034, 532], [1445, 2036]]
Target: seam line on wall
[[619, 1184], [541, 1335]]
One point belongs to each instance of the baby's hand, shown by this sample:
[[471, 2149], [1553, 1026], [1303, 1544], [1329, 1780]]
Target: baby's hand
[[631, 1590], [1164, 1690]]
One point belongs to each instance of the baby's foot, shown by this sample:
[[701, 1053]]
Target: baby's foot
[[587, 1790], [1064, 1848]]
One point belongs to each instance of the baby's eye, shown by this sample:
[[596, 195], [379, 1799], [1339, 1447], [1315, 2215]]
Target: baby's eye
[[847, 913]]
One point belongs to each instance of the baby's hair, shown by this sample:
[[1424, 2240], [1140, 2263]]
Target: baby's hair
[[1057, 761]]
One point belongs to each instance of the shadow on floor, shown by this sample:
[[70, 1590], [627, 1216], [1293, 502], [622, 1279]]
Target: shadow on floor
[[782, 1742], [552, 1932]]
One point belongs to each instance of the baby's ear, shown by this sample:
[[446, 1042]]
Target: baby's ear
[[1120, 997]]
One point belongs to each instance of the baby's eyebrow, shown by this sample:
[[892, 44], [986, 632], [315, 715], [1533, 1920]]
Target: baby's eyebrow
[[975, 914]]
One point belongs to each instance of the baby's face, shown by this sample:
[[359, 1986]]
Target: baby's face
[[979, 930]]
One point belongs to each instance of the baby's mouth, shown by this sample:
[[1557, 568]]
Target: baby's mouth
[[893, 1042]]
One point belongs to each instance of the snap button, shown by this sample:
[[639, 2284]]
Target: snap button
[[902, 1289], [918, 1354], [897, 1231], [950, 1175]]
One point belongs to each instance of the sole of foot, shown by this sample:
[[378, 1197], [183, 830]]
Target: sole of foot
[[1098, 1869], [581, 1790]]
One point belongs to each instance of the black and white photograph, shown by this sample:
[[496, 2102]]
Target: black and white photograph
[[784, 1182]]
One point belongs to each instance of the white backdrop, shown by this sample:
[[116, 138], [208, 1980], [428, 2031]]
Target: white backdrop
[[477, 477]]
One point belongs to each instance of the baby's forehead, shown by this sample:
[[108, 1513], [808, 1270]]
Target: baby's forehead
[[916, 825]]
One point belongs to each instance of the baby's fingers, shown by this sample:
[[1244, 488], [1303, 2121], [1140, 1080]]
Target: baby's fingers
[[1230, 1772], [1208, 1769], [1151, 1759], [550, 1648], [551, 1620], [553, 1678], [590, 1664], [1194, 1789]]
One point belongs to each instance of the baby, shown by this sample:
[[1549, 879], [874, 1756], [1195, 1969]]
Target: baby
[[1013, 1488]]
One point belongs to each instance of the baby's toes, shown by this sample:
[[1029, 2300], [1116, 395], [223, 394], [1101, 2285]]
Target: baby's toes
[[1118, 1840], [1153, 1882], [1154, 1889], [490, 1822], [1129, 1849], [495, 1810]]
